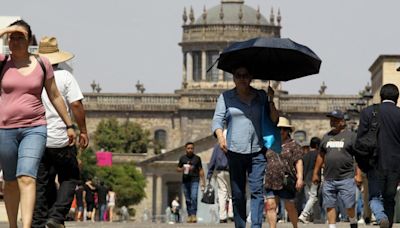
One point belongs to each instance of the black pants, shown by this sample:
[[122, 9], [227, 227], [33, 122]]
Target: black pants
[[50, 202]]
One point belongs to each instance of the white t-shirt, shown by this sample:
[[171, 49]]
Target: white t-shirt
[[70, 92]]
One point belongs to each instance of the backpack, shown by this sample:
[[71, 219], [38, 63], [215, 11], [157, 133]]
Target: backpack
[[366, 145], [3, 63]]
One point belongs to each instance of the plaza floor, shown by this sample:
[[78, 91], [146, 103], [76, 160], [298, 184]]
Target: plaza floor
[[186, 225]]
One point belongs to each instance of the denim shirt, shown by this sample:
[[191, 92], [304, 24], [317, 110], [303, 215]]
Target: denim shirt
[[243, 121]]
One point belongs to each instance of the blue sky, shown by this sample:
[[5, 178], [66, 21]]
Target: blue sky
[[120, 42]]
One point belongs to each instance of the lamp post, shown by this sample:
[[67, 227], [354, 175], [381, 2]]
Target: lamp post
[[355, 108]]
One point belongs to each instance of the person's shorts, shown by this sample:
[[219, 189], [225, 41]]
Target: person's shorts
[[332, 190], [282, 194], [89, 206], [21, 150]]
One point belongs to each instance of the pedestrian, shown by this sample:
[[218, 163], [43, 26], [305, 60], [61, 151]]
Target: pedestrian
[[241, 110], [79, 201], [280, 166], [111, 203], [102, 193], [90, 189], [219, 165], [384, 176], [192, 169], [59, 159], [175, 207], [336, 153], [23, 122], [311, 189]]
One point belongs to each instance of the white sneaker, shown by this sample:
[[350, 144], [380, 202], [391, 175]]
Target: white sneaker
[[361, 221], [303, 219]]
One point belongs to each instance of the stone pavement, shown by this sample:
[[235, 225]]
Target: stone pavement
[[187, 225]]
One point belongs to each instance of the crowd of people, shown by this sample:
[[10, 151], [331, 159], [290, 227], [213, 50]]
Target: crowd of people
[[313, 181]]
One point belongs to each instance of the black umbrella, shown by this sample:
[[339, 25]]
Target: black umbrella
[[270, 59]]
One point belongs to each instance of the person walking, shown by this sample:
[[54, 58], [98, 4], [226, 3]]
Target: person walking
[[192, 169], [59, 159], [336, 153], [219, 165], [23, 128], [311, 189], [384, 177], [111, 203], [89, 199], [175, 207], [79, 201], [288, 162], [241, 110], [102, 193]]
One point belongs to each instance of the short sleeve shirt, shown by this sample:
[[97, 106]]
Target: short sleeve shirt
[[338, 150], [279, 164], [194, 173], [20, 99], [70, 92]]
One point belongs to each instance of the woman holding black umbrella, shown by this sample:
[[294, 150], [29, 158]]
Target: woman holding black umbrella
[[241, 108]]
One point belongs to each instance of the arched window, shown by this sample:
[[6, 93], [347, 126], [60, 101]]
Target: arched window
[[160, 139], [300, 137]]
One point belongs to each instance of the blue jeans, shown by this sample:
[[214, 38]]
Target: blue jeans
[[253, 166], [190, 189], [103, 208], [382, 191], [21, 150]]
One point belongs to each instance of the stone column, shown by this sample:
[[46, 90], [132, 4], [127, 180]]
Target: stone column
[[184, 68], [203, 65], [159, 209], [189, 66]]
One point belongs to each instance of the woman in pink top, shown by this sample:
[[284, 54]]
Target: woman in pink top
[[22, 120]]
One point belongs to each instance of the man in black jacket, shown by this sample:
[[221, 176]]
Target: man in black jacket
[[384, 177]]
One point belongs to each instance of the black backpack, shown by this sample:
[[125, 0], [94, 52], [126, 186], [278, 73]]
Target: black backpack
[[366, 146], [3, 63]]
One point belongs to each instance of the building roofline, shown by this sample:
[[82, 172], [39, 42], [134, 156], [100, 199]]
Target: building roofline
[[380, 59]]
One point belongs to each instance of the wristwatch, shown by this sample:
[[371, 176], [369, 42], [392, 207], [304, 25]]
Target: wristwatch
[[71, 126]]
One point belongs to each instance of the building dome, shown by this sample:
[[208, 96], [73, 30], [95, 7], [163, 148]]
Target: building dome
[[231, 12]]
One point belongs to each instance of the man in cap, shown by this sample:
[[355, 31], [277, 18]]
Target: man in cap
[[59, 159], [336, 153]]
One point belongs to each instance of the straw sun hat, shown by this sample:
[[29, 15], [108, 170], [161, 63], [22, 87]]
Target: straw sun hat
[[284, 123], [48, 47]]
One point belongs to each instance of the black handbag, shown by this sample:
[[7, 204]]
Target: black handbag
[[289, 179], [208, 195]]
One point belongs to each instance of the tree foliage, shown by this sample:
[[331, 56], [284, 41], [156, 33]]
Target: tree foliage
[[127, 137], [125, 179]]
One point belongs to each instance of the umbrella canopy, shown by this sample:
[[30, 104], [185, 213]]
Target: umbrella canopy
[[270, 59]]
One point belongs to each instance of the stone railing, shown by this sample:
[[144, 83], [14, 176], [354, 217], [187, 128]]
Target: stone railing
[[315, 103], [126, 102], [175, 102]]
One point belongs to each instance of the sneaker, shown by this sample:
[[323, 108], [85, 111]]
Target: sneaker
[[384, 223], [303, 219], [361, 221], [223, 221]]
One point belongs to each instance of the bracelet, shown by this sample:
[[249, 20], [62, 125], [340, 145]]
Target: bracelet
[[72, 126], [270, 99]]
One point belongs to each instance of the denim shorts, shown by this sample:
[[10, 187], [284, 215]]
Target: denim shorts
[[282, 194], [343, 189], [21, 150]]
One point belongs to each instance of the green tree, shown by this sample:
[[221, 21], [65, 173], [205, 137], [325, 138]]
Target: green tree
[[109, 135], [127, 137], [125, 179]]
